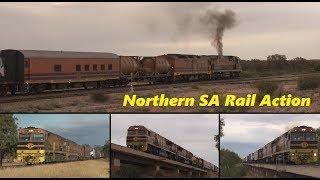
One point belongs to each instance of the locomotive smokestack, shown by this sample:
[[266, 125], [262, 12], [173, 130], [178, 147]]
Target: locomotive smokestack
[[218, 22]]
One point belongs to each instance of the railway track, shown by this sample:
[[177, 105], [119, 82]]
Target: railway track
[[143, 86]]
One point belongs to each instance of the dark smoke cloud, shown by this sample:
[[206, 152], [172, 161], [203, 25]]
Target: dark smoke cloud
[[196, 19], [218, 22]]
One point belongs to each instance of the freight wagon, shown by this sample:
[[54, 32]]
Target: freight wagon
[[299, 145], [32, 71], [143, 139], [36, 145]]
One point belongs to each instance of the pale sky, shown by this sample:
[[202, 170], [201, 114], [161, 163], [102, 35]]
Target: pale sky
[[290, 28], [194, 132], [246, 133]]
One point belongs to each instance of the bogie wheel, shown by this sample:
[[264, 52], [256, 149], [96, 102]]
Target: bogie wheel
[[3, 90], [12, 90]]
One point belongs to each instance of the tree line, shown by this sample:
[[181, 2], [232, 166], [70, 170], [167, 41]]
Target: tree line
[[279, 64]]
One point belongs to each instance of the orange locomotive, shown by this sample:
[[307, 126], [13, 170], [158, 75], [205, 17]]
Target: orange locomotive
[[143, 139], [299, 145], [36, 145], [28, 71]]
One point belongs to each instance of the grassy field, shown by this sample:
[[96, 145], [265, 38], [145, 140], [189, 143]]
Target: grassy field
[[79, 169]]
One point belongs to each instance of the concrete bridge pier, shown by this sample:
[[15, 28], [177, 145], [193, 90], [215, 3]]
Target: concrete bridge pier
[[115, 164]]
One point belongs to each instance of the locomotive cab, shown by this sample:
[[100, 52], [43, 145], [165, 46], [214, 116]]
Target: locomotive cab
[[30, 147], [137, 138], [303, 145]]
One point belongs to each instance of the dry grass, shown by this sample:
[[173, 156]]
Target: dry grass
[[114, 103], [79, 169]]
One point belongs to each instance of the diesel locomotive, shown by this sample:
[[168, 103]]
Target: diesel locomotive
[[34, 71], [36, 145], [143, 139], [299, 145]]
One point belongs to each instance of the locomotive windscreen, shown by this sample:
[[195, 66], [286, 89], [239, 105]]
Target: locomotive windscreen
[[38, 137], [24, 137], [307, 136], [310, 136]]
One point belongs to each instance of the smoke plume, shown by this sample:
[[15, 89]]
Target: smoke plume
[[192, 20], [218, 22]]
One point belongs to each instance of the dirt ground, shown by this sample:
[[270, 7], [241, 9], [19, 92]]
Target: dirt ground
[[113, 102], [80, 169]]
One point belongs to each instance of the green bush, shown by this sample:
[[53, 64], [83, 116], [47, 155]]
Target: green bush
[[267, 87], [310, 82], [99, 97], [230, 164]]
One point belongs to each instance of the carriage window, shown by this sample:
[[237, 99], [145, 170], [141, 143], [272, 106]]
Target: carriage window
[[86, 67], [78, 67], [109, 66], [57, 68], [102, 67], [95, 67]]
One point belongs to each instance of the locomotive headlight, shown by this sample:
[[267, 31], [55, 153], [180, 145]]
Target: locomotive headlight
[[314, 154], [19, 155], [292, 154]]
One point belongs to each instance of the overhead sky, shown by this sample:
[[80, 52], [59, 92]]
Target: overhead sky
[[90, 129], [194, 132], [290, 28], [246, 133]]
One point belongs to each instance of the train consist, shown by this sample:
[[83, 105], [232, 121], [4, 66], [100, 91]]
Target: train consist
[[36, 145], [143, 139], [32, 71], [299, 145]]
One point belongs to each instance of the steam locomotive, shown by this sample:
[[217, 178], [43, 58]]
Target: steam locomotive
[[36, 145], [143, 139], [299, 145], [33, 71]]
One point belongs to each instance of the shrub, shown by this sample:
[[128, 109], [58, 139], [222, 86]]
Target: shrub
[[267, 87], [310, 82], [230, 164], [99, 97]]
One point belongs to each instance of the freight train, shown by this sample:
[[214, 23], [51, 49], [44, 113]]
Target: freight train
[[143, 139], [34, 71], [299, 145], [36, 145]]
